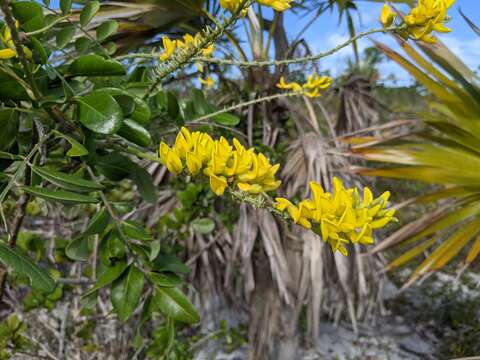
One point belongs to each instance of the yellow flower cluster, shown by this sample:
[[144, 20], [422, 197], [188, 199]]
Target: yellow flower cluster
[[341, 217], [278, 5], [10, 52], [170, 46], [426, 17], [312, 88], [224, 164]]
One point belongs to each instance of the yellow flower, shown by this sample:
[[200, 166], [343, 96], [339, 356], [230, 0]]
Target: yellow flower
[[230, 5], [218, 184], [312, 87], [7, 54], [208, 51], [387, 17], [223, 163], [208, 82], [278, 5], [289, 86], [426, 17], [169, 47], [340, 217]]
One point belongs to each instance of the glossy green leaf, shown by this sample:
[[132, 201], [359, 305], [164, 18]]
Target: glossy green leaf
[[170, 263], [88, 12], [165, 280], [114, 166], [174, 304], [126, 292], [226, 119], [64, 36], [29, 14], [98, 223], [100, 113], [144, 182], [62, 196], [135, 230], [142, 113], [77, 249], [106, 29], [115, 246], [40, 52], [21, 264], [95, 65], [67, 181], [203, 226], [135, 133], [66, 6], [9, 126], [108, 274]]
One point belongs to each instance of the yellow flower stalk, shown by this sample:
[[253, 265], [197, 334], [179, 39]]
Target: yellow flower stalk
[[340, 217], [387, 16], [312, 88], [225, 165], [170, 46]]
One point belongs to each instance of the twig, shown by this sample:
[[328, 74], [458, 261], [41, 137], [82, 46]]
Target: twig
[[185, 57], [244, 63]]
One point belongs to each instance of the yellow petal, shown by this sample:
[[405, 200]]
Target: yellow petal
[[218, 184], [7, 54]]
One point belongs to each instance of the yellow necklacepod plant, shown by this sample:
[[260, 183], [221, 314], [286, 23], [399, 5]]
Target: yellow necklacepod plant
[[340, 217]]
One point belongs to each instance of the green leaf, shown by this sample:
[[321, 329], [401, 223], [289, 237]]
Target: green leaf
[[173, 110], [142, 113], [98, 223], [135, 230], [115, 246], [77, 149], [77, 249], [66, 197], [88, 12], [144, 183], [29, 14], [67, 181], [170, 263], [65, 6], [108, 274], [114, 166], [200, 104], [226, 119], [95, 65], [135, 133], [40, 55], [203, 226], [173, 303], [100, 113], [83, 44], [64, 36], [9, 126], [106, 29], [126, 292], [165, 280], [21, 264]]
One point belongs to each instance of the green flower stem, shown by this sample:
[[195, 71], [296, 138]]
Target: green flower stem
[[241, 63]]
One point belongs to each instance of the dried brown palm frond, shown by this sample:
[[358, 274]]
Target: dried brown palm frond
[[359, 108]]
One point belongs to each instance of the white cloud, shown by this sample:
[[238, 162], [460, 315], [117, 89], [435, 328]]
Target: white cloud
[[468, 50]]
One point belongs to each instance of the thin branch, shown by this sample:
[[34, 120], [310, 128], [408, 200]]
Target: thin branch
[[185, 57], [242, 63]]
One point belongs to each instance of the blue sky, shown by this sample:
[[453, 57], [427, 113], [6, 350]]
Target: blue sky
[[326, 33]]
